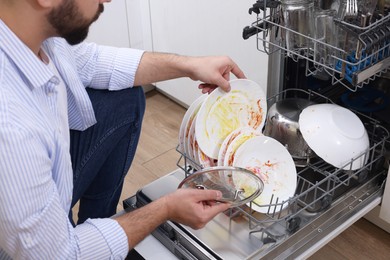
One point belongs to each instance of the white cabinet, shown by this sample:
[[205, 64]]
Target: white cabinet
[[380, 215], [112, 26], [138, 16], [124, 23], [385, 209], [202, 28]]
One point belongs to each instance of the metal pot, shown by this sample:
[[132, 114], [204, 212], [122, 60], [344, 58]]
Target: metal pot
[[282, 125]]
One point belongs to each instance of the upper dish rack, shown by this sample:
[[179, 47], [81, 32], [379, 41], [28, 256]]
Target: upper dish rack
[[351, 68], [318, 184]]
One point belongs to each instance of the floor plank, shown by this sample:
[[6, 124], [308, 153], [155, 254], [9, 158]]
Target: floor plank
[[363, 240]]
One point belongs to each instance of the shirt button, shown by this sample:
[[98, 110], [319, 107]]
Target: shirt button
[[28, 240], [55, 80], [50, 90]]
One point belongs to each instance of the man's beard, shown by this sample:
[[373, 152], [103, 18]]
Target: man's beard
[[70, 24]]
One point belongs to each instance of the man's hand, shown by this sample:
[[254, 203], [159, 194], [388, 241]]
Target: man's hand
[[191, 207], [194, 208], [214, 71]]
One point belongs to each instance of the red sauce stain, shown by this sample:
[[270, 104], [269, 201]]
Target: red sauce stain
[[256, 117]]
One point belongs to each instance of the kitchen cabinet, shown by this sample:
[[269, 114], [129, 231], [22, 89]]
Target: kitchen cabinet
[[204, 28], [138, 20], [112, 26], [380, 215], [385, 209], [124, 23]]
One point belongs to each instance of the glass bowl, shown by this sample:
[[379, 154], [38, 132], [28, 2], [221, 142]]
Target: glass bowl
[[238, 186]]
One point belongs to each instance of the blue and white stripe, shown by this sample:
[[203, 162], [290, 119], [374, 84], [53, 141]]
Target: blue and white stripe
[[35, 168]]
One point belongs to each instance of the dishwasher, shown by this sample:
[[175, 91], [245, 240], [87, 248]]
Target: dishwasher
[[327, 199]]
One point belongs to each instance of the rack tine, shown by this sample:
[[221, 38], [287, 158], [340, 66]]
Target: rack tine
[[352, 8], [355, 7]]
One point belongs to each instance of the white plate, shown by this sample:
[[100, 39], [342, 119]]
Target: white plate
[[204, 160], [245, 135], [225, 144], [189, 116], [271, 161], [201, 160], [191, 145], [195, 150], [223, 112]]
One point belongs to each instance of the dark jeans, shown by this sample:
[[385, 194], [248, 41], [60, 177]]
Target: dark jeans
[[102, 154]]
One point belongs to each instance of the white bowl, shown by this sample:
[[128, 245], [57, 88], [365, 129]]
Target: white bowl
[[336, 135]]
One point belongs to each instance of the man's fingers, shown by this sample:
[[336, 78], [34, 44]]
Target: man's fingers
[[207, 195], [207, 88], [238, 72]]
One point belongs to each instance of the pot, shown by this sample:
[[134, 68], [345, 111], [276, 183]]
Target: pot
[[282, 125]]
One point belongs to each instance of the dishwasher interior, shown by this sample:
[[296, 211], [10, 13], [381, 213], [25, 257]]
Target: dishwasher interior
[[325, 196]]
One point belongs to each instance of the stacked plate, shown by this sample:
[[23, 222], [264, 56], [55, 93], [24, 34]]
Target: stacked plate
[[224, 129], [269, 160], [188, 144], [224, 112], [211, 118]]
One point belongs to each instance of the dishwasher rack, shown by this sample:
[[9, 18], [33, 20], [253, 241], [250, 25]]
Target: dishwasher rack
[[318, 184], [350, 68]]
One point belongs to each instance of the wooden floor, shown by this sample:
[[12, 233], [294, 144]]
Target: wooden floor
[[156, 156]]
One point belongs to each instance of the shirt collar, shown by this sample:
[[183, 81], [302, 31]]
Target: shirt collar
[[33, 69]]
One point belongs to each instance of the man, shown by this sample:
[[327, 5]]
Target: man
[[49, 82]]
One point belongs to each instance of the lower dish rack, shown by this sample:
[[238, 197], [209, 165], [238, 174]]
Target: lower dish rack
[[319, 184]]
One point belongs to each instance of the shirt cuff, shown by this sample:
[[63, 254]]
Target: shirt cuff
[[116, 67], [125, 66], [102, 239]]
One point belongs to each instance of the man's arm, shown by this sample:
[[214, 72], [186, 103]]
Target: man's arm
[[212, 70], [105, 67], [190, 207]]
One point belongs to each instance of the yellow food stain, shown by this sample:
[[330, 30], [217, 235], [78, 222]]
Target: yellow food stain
[[228, 114]]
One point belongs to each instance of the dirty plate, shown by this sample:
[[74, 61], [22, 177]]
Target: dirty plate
[[191, 146], [204, 160], [186, 122], [225, 144], [223, 112], [231, 150], [273, 164]]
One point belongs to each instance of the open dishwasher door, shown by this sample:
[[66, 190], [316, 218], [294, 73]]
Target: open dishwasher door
[[327, 201], [239, 235]]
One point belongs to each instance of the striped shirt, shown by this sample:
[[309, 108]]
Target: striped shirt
[[36, 178]]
